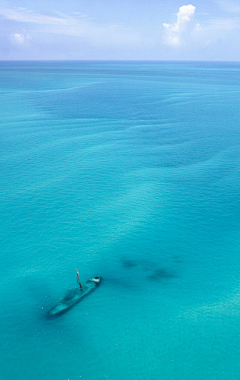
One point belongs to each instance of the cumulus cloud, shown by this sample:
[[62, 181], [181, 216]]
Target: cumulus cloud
[[19, 38], [187, 35], [176, 34]]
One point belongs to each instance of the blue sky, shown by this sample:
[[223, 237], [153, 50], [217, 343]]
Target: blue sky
[[123, 29]]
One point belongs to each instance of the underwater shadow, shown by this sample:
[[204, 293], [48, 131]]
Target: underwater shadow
[[161, 274], [127, 263]]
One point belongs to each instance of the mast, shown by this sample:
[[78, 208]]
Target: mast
[[78, 279]]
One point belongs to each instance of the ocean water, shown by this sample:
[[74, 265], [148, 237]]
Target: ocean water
[[129, 171]]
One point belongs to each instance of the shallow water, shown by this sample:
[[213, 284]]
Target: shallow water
[[129, 171]]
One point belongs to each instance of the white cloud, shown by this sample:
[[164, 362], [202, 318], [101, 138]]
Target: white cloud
[[176, 34], [19, 38]]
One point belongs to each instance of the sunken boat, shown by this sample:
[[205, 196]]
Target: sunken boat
[[74, 296]]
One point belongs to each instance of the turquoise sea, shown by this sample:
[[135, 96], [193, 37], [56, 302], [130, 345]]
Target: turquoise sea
[[129, 171]]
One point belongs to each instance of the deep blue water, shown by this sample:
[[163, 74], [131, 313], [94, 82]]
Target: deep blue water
[[130, 171]]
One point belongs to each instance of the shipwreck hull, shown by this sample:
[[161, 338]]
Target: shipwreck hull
[[73, 297]]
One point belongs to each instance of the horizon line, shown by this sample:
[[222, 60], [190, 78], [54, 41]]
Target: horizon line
[[118, 60]]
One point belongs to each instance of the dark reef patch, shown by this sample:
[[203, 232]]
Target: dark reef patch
[[129, 263], [161, 274]]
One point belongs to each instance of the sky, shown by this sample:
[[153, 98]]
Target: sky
[[120, 30]]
